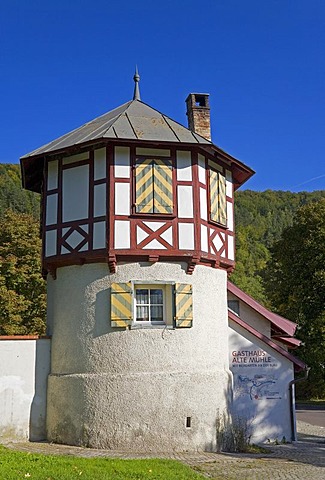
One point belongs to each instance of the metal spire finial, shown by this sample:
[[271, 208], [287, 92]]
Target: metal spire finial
[[136, 78]]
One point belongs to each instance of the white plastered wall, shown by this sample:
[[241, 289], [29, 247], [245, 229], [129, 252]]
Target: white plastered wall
[[261, 378], [253, 318], [24, 366], [134, 389]]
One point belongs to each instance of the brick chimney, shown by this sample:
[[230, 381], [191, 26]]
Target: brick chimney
[[198, 114]]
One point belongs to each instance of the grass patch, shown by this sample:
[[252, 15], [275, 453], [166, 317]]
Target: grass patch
[[21, 466]]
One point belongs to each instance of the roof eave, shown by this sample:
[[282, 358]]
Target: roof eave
[[299, 365], [285, 325]]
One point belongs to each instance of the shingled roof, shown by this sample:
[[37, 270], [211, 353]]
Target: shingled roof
[[133, 120]]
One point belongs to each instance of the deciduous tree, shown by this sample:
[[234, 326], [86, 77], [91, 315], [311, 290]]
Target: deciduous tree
[[22, 288], [295, 284]]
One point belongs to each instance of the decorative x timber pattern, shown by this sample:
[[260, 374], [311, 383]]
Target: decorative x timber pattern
[[154, 233]]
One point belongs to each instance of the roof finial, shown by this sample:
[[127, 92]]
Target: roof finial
[[136, 78]]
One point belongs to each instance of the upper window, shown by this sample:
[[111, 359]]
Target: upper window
[[218, 203], [153, 186]]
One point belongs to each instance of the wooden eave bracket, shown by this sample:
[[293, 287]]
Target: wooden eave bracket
[[112, 264], [52, 271], [153, 258], [191, 264]]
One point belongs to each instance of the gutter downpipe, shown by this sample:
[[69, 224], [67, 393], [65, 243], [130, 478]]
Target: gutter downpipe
[[292, 403]]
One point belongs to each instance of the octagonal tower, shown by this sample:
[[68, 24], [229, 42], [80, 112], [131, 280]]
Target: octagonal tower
[[138, 237]]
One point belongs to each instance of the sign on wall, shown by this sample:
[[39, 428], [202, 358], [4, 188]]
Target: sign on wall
[[255, 374]]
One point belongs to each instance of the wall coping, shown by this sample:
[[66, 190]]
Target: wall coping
[[24, 337]]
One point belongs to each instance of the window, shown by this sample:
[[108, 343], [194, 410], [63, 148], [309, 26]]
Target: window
[[153, 186], [149, 305], [233, 305], [140, 304], [218, 203]]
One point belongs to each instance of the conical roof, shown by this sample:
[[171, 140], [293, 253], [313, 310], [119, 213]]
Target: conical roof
[[134, 120]]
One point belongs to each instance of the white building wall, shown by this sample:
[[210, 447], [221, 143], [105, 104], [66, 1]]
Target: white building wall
[[24, 367], [134, 388], [261, 378], [253, 318]]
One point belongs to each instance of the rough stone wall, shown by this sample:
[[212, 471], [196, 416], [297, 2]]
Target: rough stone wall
[[200, 122], [134, 389]]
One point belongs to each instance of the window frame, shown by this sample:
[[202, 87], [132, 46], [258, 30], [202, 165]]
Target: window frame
[[168, 305], [149, 287]]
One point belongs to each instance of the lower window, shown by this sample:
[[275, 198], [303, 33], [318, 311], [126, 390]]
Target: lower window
[[149, 305]]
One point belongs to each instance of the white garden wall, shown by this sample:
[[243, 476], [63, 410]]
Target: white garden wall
[[24, 367]]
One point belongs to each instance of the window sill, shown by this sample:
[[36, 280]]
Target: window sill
[[162, 216], [218, 224], [152, 326]]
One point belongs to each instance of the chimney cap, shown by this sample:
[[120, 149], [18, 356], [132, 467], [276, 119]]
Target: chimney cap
[[197, 100]]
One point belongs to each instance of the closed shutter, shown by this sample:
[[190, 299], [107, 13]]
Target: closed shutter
[[222, 199], [183, 305], [163, 186], [214, 196], [218, 204], [121, 304], [144, 186]]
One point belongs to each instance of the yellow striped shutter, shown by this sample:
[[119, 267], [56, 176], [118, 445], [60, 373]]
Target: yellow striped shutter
[[214, 211], [163, 186], [121, 304], [183, 305], [144, 186], [222, 199]]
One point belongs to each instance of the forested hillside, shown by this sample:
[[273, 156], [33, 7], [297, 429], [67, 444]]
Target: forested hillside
[[12, 195], [261, 218], [280, 261]]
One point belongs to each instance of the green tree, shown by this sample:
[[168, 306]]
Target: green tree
[[22, 288], [295, 285], [12, 195], [260, 219]]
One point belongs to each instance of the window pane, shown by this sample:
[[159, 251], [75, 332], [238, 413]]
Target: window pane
[[157, 313], [142, 296], [234, 306], [142, 314], [156, 296]]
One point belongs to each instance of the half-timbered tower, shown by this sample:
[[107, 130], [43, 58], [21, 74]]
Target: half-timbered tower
[[138, 238]]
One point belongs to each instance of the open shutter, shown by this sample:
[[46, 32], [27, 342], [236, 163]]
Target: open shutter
[[222, 199], [163, 186], [121, 304], [183, 305], [144, 186]]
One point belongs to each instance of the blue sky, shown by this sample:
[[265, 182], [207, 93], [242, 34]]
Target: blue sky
[[65, 62]]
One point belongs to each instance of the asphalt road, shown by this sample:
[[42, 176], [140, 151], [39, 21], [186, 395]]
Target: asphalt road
[[311, 415]]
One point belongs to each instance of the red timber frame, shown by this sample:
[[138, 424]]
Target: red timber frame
[[136, 252]]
